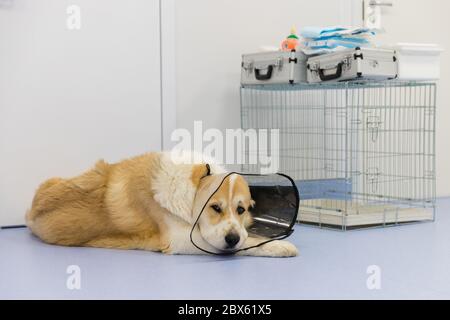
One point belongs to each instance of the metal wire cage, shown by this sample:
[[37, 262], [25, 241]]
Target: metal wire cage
[[361, 153]]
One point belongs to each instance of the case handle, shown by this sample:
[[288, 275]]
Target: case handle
[[332, 76], [265, 76]]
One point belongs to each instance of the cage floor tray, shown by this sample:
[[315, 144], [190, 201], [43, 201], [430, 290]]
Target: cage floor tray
[[354, 214]]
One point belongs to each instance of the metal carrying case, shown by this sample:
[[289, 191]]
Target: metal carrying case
[[275, 67], [359, 63]]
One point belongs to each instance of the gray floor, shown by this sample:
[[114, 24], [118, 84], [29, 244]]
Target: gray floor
[[414, 261]]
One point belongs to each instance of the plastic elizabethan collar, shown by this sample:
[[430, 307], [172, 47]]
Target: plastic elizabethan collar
[[274, 213]]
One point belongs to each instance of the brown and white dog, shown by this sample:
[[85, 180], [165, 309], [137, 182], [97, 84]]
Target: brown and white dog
[[147, 202]]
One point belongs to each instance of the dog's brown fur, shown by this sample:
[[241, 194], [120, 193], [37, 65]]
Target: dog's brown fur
[[111, 206], [126, 206]]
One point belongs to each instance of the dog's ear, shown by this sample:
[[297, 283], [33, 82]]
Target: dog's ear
[[248, 218], [252, 204], [198, 172]]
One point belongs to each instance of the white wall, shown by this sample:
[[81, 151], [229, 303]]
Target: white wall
[[428, 22], [211, 35], [69, 98]]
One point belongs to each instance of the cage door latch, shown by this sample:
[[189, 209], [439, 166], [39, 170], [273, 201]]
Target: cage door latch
[[373, 124], [372, 175]]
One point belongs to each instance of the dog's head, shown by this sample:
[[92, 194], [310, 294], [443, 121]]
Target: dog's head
[[227, 214]]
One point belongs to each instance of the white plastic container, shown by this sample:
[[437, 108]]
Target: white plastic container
[[418, 61]]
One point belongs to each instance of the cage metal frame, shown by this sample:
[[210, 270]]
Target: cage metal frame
[[353, 147]]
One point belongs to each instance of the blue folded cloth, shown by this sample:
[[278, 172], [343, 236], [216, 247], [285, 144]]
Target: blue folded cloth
[[333, 42], [319, 32], [315, 32], [318, 40]]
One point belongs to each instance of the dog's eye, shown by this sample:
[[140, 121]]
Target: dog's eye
[[240, 210], [216, 208]]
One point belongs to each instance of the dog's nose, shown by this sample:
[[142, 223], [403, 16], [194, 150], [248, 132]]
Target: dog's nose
[[232, 239]]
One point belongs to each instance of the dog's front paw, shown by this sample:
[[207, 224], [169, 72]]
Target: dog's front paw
[[279, 248]]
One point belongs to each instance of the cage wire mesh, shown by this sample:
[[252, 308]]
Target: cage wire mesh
[[362, 154]]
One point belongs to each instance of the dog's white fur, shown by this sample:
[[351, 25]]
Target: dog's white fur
[[144, 202]]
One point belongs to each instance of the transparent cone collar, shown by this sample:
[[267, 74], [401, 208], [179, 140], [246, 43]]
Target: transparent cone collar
[[274, 212]]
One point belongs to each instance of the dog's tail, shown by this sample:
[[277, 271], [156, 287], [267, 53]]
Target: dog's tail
[[40, 200], [56, 191]]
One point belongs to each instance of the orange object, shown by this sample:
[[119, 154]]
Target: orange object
[[291, 42]]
